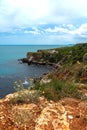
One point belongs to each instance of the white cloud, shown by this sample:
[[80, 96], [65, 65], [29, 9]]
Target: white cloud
[[54, 20], [70, 26], [72, 8], [82, 30], [31, 32], [22, 12], [67, 33], [56, 30], [69, 29], [34, 31], [28, 13]]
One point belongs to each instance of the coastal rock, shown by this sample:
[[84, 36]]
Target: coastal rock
[[34, 56], [53, 117], [42, 57], [66, 114], [53, 51], [44, 81], [24, 60]]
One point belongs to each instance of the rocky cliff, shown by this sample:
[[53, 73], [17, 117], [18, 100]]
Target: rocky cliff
[[58, 56], [66, 114], [57, 101]]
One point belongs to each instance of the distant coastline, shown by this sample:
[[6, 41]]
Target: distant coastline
[[11, 70]]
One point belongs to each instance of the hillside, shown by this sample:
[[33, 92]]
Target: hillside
[[55, 101], [64, 55]]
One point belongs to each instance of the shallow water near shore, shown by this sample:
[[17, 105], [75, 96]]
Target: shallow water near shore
[[11, 70]]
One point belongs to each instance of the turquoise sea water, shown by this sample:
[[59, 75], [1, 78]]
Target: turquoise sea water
[[11, 70]]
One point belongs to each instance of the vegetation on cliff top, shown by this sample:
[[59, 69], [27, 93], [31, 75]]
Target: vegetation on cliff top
[[64, 78], [66, 55], [72, 54], [44, 100]]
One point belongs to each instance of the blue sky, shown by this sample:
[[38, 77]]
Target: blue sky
[[43, 21]]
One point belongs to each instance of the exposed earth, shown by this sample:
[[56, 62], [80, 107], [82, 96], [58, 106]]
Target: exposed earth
[[67, 114]]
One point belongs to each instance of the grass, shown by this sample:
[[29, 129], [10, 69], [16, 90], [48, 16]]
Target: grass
[[57, 89], [25, 95], [70, 54], [71, 70], [54, 90]]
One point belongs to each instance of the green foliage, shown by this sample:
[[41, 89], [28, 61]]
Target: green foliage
[[25, 95], [78, 74], [57, 89], [70, 54], [70, 90], [18, 86]]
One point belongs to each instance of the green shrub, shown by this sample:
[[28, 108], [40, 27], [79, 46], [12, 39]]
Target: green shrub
[[70, 90], [25, 95], [57, 89]]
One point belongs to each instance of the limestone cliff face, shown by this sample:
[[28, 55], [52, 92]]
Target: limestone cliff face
[[64, 55], [34, 56], [47, 56]]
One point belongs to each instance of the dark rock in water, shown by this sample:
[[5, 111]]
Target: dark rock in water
[[38, 63], [23, 60], [39, 50], [85, 58]]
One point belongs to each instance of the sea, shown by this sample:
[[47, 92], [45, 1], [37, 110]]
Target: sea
[[11, 70]]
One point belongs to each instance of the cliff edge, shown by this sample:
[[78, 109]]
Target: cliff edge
[[57, 101]]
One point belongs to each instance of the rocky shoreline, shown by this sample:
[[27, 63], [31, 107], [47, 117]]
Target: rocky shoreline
[[29, 62], [42, 57], [57, 58], [47, 111]]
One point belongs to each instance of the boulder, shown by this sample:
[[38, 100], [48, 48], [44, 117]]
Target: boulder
[[52, 117], [23, 60]]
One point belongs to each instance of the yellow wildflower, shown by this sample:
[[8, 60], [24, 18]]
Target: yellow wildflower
[[15, 82], [43, 92]]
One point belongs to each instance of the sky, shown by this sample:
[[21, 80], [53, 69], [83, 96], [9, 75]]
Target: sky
[[40, 22]]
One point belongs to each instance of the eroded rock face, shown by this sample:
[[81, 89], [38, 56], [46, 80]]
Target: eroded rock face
[[47, 115], [53, 117], [66, 114]]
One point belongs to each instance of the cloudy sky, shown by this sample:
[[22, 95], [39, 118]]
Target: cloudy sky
[[43, 21]]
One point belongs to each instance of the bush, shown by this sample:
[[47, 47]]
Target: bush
[[57, 89], [25, 95]]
